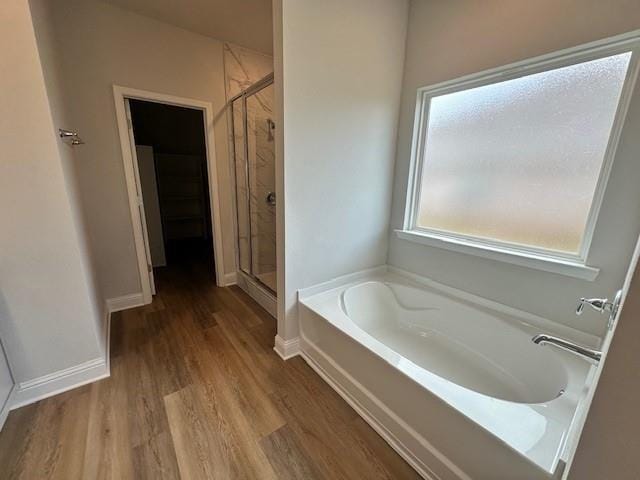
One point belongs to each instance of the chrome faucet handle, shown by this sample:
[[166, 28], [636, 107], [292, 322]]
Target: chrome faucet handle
[[598, 304], [602, 305]]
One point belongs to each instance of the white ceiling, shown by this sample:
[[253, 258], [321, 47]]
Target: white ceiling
[[244, 22]]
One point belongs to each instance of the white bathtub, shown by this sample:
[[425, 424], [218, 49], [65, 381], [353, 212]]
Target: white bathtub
[[453, 381]]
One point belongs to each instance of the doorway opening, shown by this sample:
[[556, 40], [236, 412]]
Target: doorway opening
[[168, 151], [171, 149]]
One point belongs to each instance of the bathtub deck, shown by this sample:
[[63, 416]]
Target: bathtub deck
[[196, 391]]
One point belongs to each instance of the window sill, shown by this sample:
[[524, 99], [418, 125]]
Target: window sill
[[529, 260]]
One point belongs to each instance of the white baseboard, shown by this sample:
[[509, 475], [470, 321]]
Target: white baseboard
[[287, 348], [60, 381], [229, 279], [125, 302], [7, 406], [107, 338], [405, 441], [371, 420], [255, 290]]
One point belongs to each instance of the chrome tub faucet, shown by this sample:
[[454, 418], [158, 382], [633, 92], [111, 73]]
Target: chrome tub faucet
[[598, 304], [588, 353]]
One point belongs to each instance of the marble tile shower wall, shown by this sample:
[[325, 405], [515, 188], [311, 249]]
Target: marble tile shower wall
[[243, 68], [261, 142]]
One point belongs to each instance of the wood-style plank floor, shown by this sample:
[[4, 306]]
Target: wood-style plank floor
[[196, 392]]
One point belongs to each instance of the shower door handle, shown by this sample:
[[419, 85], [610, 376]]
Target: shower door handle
[[271, 199]]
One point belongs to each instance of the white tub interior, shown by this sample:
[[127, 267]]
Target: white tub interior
[[466, 346], [475, 355]]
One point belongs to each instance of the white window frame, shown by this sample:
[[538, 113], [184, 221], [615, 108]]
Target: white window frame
[[574, 265]]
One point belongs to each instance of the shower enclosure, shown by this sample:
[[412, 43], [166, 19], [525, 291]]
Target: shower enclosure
[[253, 133]]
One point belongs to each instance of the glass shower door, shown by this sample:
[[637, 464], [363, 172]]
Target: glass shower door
[[262, 185], [254, 146], [242, 186]]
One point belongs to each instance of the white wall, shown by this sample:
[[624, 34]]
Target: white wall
[[609, 445], [447, 40], [48, 319], [245, 22], [341, 71], [59, 102], [103, 45]]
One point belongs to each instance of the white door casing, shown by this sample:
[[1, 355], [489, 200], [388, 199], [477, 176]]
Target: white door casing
[[127, 146]]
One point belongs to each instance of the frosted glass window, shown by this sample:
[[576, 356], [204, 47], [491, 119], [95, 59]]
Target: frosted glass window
[[518, 161]]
